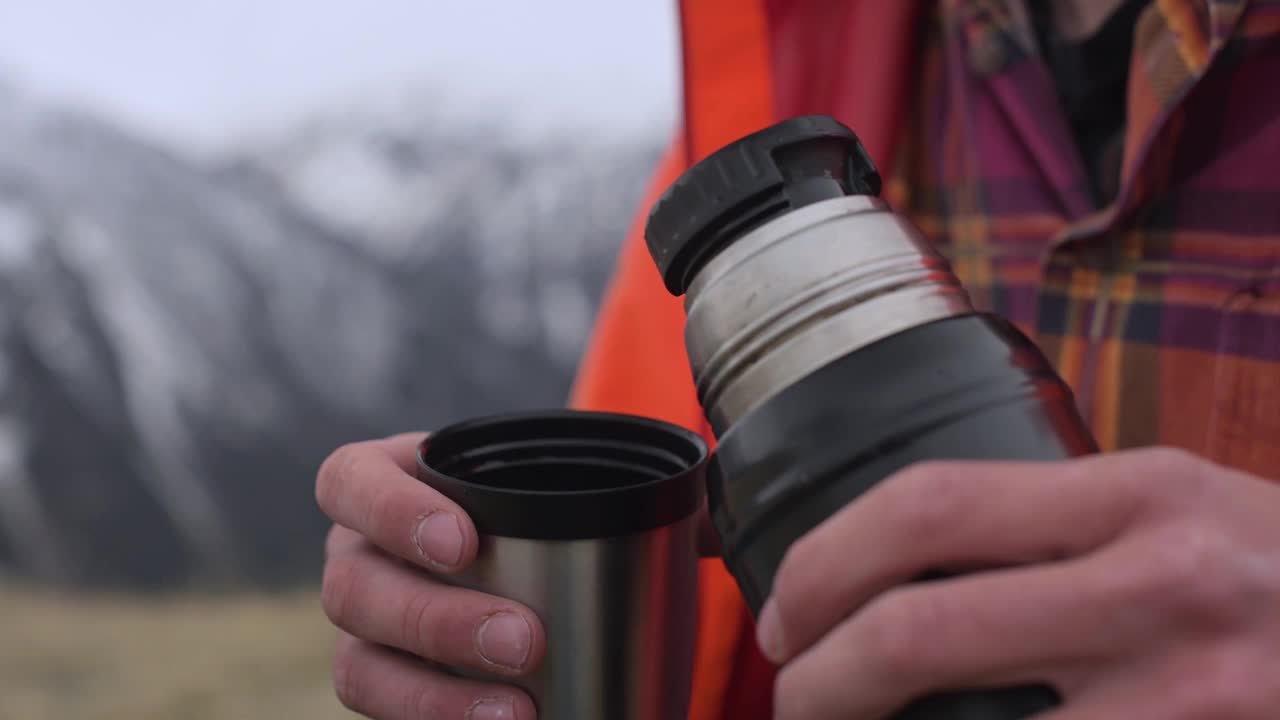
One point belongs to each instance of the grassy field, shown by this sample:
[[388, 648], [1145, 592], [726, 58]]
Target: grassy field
[[176, 658]]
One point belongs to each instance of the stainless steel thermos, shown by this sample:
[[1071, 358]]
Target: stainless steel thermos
[[831, 345], [590, 520]]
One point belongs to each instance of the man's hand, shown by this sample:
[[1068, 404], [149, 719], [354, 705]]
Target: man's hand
[[394, 620], [1143, 584]]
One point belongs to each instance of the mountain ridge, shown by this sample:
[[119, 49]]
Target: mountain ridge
[[181, 343]]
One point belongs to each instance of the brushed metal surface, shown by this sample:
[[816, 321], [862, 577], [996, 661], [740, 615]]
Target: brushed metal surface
[[803, 290], [619, 613]]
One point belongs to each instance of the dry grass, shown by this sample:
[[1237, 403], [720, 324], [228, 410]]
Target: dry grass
[[175, 658]]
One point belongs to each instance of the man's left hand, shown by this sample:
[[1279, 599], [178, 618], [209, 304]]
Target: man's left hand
[[1141, 584]]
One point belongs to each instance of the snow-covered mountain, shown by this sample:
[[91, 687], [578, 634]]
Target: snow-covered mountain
[[180, 345]]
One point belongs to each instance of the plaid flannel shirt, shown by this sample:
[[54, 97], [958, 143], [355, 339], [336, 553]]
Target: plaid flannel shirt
[[1161, 309]]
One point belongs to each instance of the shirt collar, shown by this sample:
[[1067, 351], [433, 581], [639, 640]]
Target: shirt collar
[[998, 33]]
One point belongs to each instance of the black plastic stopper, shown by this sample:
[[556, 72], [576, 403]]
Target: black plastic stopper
[[786, 166]]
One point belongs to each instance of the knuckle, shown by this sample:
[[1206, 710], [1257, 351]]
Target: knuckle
[[332, 475], [1201, 574], [346, 680], [1225, 685], [416, 627], [333, 541], [1175, 473], [930, 498], [793, 584], [1174, 458], [788, 575], [897, 632], [422, 701], [341, 579], [386, 510], [1232, 689], [791, 701], [1173, 570]]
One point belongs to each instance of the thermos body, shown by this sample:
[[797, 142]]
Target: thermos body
[[590, 520], [832, 346], [832, 436]]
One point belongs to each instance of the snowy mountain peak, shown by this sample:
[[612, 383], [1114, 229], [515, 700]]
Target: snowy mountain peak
[[205, 335]]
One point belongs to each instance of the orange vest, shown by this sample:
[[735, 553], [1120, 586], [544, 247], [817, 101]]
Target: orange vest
[[747, 64]]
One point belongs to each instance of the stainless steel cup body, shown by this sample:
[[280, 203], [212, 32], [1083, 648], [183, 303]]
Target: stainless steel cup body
[[619, 613], [590, 520]]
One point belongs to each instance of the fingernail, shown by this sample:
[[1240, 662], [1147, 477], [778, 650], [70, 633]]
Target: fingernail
[[438, 538], [504, 640], [769, 632], [492, 710]]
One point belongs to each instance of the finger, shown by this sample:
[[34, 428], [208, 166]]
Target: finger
[[1064, 623], [1207, 682], [403, 448], [1110, 706], [342, 539], [1093, 707], [945, 516], [390, 603], [1049, 624], [370, 487], [380, 683]]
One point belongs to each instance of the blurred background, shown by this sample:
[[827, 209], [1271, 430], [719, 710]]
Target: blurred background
[[235, 234]]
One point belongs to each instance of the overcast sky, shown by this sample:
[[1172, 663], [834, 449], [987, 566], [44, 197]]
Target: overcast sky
[[201, 71]]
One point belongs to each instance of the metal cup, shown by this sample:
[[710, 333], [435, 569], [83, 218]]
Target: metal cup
[[590, 520]]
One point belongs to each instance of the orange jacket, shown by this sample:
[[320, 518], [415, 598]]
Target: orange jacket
[[747, 64]]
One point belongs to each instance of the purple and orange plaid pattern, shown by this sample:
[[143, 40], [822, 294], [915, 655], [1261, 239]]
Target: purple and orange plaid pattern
[[1161, 309]]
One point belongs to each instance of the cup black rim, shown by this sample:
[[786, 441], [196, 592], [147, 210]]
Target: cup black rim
[[612, 509]]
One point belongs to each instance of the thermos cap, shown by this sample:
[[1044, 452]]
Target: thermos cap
[[739, 187], [567, 474]]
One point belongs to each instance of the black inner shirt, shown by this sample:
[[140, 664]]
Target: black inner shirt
[[1092, 78]]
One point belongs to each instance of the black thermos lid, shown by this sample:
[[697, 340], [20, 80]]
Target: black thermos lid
[[746, 183]]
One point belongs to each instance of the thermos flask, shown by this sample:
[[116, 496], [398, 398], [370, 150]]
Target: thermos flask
[[589, 519], [831, 346]]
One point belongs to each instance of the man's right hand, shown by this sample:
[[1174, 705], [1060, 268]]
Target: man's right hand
[[391, 534]]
